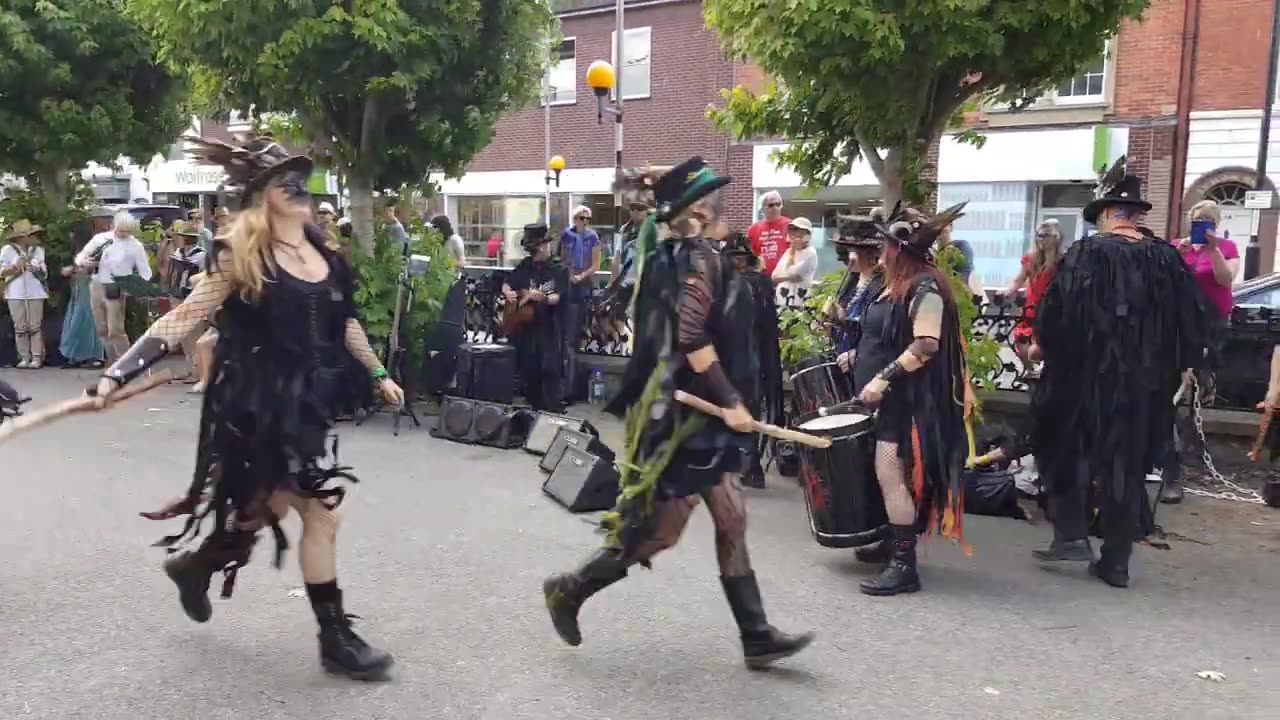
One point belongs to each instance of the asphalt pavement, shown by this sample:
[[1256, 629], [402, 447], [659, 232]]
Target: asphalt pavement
[[442, 554]]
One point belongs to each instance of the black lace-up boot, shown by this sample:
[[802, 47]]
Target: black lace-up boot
[[193, 570], [566, 592], [342, 651], [900, 576], [762, 643]]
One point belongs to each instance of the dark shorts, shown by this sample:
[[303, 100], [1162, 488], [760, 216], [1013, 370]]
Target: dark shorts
[[693, 472], [893, 419]]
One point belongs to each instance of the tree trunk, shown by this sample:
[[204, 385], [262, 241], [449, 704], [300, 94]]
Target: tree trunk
[[891, 179], [361, 189], [55, 186]]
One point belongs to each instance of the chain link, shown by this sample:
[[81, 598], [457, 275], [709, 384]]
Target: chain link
[[1233, 492]]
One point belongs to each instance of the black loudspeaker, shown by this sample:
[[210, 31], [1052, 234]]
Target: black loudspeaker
[[486, 372], [545, 428], [567, 437], [482, 423], [444, 337], [583, 482]]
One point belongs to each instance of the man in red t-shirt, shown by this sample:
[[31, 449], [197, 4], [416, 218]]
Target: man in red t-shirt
[[769, 236]]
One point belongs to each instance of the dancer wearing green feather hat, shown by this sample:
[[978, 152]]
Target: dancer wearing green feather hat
[[693, 320]]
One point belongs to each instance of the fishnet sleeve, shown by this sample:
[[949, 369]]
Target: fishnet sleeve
[[358, 344], [695, 308], [194, 311]]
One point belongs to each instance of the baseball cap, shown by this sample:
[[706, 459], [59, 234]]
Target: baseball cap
[[802, 223]]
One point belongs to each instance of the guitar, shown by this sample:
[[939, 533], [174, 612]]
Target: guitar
[[516, 315]]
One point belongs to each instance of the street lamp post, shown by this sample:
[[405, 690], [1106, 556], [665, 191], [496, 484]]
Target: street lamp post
[[555, 166], [603, 77]]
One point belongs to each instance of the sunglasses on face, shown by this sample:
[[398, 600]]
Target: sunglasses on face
[[583, 217], [773, 204], [1045, 236]]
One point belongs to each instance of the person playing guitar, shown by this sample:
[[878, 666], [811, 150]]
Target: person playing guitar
[[532, 319]]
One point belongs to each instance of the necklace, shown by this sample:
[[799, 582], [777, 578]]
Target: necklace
[[291, 249]]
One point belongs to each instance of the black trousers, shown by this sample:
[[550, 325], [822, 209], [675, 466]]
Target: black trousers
[[1068, 490]]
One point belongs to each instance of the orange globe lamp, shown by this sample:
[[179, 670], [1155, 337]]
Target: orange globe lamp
[[601, 77]]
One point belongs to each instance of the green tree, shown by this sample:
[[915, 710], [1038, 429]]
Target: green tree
[[395, 89], [882, 79], [79, 82]]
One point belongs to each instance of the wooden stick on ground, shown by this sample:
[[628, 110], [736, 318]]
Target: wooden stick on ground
[[701, 405], [79, 405]]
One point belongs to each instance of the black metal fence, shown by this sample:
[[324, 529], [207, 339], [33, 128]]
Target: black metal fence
[[1241, 377]]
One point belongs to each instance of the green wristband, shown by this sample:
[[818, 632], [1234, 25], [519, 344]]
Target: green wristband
[[379, 374]]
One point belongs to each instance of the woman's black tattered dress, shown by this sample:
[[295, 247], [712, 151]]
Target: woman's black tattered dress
[[269, 407]]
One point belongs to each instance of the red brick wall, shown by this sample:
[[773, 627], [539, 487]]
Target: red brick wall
[[1147, 58], [1231, 61], [688, 70], [739, 196]]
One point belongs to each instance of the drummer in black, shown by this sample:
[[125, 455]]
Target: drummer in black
[[910, 365], [543, 281], [767, 405]]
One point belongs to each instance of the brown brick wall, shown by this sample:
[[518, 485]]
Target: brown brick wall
[[1231, 60], [1147, 57], [688, 70]]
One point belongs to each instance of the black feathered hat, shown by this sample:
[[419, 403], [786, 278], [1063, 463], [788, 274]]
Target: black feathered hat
[[250, 165], [1116, 187], [914, 232], [683, 185]]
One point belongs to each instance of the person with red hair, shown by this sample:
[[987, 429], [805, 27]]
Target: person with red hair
[[910, 365]]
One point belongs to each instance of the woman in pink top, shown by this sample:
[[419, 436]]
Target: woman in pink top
[[1215, 262]]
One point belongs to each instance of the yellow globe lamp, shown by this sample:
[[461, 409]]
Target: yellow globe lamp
[[556, 163], [600, 77]]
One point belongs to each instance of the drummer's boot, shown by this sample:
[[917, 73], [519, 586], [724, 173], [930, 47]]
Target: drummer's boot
[[900, 576], [879, 553], [762, 643], [1113, 565], [192, 571], [566, 592]]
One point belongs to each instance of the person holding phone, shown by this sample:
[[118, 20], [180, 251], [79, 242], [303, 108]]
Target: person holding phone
[[1214, 260]]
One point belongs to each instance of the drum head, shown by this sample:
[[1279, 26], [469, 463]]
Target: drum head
[[841, 424]]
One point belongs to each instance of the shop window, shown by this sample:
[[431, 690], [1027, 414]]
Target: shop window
[[563, 75], [636, 61]]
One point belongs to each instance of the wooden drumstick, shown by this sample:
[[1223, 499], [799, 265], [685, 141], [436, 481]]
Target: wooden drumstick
[[701, 405], [79, 405], [1256, 452]]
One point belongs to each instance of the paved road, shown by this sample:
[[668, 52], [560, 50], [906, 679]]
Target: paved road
[[443, 551]]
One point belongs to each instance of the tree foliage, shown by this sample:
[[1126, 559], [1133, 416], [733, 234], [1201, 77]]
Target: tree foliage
[[79, 82], [396, 88], [882, 79]]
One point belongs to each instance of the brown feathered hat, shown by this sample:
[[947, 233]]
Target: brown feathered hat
[[913, 231], [249, 165]]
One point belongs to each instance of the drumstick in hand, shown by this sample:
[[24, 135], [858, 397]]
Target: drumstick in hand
[[701, 405], [1263, 428]]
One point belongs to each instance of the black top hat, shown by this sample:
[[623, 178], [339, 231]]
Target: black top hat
[[739, 245], [858, 231], [535, 234], [684, 185], [249, 166], [1116, 187]]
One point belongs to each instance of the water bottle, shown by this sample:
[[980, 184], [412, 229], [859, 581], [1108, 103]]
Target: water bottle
[[596, 388]]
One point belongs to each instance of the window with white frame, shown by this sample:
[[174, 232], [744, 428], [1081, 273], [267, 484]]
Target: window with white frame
[[563, 75], [1088, 86], [636, 61]]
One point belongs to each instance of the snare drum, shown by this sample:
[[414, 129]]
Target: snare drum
[[841, 493], [818, 386]]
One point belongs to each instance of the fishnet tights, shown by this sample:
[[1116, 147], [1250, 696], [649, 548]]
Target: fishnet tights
[[891, 472], [728, 512]]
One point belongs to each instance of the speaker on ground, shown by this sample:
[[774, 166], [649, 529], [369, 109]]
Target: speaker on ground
[[583, 482]]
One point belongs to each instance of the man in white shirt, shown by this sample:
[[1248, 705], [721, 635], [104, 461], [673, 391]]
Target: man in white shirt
[[798, 266], [111, 255], [22, 275]]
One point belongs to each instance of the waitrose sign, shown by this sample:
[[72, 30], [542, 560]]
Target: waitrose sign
[[184, 176]]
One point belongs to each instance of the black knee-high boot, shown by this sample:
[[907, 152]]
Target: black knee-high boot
[[342, 651], [762, 643], [900, 576], [566, 592], [192, 571]]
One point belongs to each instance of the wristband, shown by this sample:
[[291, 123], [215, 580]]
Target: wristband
[[892, 372], [379, 374], [723, 392], [146, 352]]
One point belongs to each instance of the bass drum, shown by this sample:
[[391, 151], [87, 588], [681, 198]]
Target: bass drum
[[821, 384], [841, 494]]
